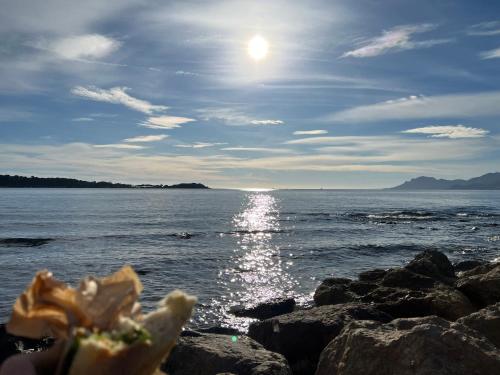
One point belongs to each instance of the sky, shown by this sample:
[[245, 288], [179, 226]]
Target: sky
[[247, 94]]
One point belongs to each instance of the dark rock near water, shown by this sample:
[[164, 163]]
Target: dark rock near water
[[301, 336], [442, 301], [219, 330], [211, 354], [372, 275], [403, 278], [418, 346], [485, 321], [467, 265], [27, 242], [265, 310], [422, 288], [433, 264], [481, 284], [333, 291]]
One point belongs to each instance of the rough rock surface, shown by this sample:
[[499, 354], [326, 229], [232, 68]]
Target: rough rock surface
[[418, 346], [301, 336], [265, 310], [483, 289], [467, 265], [485, 321], [422, 288], [433, 264], [211, 354]]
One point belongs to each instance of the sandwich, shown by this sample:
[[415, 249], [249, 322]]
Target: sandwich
[[100, 323]]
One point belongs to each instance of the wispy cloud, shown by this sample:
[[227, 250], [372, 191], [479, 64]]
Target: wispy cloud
[[82, 119], [89, 46], [492, 54], [449, 131], [485, 29], [398, 38], [258, 149], [419, 107], [185, 73], [165, 122], [267, 122], [117, 95], [199, 145], [123, 146], [146, 138], [310, 132], [234, 117]]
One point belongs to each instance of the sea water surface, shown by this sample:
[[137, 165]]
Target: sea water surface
[[232, 247]]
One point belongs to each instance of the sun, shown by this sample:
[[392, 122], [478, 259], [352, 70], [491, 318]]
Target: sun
[[258, 48]]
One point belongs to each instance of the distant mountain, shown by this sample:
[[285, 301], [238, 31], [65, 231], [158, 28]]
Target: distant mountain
[[58, 182], [490, 181]]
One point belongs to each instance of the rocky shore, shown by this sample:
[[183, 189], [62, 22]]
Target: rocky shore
[[429, 317]]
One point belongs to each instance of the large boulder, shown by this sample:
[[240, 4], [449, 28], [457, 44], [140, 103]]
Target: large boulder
[[442, 301], [211, 354], [422, 288], [334, 290], [301, 336], [265, 310], [418, 346], [433, 264], [483, 289], [485, 321]]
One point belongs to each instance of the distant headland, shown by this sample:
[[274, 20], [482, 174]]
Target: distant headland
[[489, 181], [8, 181]]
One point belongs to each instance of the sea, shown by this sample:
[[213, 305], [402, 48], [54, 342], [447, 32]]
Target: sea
[[234, 247]]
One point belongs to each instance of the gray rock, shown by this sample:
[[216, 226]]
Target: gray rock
[[265, 310], [211, 354], [372, 275], [301, 336], [468, 265], [420, 289], [433, 264], [442, 301], [483, 289], [418, 346], [333, 291], [485, 321]]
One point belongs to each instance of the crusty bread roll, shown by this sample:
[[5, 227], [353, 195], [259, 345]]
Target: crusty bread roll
[[100, 323]]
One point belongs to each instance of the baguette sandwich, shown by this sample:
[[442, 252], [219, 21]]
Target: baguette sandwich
[[100, 323]]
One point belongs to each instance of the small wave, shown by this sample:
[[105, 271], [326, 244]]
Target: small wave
[[321, 214], [25, 242], [393, 217]]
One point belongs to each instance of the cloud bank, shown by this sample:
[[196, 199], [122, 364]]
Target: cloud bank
[[146, 138], [419, 107], [449, 131]]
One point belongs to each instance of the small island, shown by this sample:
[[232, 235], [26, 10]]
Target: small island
[[9, 181], [489, 181]]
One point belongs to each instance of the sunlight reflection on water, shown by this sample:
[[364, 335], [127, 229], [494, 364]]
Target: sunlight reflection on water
[[256, 272]]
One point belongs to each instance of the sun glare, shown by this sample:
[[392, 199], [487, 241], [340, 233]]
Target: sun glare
[[258, 48]]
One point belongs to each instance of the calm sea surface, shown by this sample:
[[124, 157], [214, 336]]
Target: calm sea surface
[[235, 247]]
